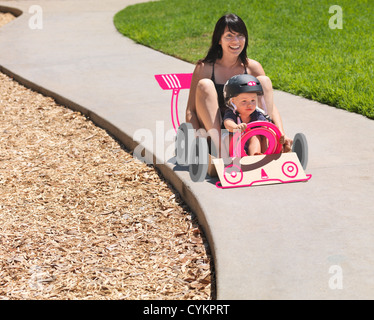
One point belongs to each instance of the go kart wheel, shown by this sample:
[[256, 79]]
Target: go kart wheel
[[199, 159], [183, 143], [300, 147]]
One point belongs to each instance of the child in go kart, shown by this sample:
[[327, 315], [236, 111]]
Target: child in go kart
[[240, 93]]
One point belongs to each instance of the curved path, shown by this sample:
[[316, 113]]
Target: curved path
[[312, 240]]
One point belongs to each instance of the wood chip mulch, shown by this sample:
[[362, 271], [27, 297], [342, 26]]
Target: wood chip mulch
[[80, 218], [6, 18]]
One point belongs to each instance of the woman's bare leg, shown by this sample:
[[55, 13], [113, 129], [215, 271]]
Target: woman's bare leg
[[273, 112], [267, 87], [208, 112]]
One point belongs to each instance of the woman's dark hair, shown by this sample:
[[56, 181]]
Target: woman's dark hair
[[235, 24]]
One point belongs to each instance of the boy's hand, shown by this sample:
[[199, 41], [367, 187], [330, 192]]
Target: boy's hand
[[241, 126]]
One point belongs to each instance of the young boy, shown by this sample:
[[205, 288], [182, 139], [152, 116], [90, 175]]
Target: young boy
[[240, 94]]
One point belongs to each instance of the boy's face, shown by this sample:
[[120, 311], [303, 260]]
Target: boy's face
[[245, 102]]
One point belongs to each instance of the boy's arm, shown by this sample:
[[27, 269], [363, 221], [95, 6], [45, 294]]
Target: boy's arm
[[231, 125]]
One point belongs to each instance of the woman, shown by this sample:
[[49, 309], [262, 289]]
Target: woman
[[226, 57]]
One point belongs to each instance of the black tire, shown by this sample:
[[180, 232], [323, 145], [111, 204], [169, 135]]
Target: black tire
[[183, 143], [300, 147], [199, 160]]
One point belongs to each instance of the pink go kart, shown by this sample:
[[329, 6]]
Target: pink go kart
[[240, 170]]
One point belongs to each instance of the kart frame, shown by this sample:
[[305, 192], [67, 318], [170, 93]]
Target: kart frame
[[240, 170]]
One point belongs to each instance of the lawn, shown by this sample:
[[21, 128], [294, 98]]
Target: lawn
[[291, 39]]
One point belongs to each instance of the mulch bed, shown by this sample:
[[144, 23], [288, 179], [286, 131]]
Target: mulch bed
[[80, 218]]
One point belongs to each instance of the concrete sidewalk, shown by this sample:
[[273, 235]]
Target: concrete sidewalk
[[269, 242]]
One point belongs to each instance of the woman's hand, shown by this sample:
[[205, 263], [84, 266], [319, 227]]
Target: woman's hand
[[287, 144]]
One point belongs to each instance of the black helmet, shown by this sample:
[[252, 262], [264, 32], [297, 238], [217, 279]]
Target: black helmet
[[240, 84]]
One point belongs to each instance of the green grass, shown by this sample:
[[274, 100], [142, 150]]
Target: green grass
[[291, 39]]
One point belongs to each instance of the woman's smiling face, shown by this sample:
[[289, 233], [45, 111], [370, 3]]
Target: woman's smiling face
[[232, 42]]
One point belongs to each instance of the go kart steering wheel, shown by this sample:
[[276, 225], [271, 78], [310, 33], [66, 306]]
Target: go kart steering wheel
[[262, 128]]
